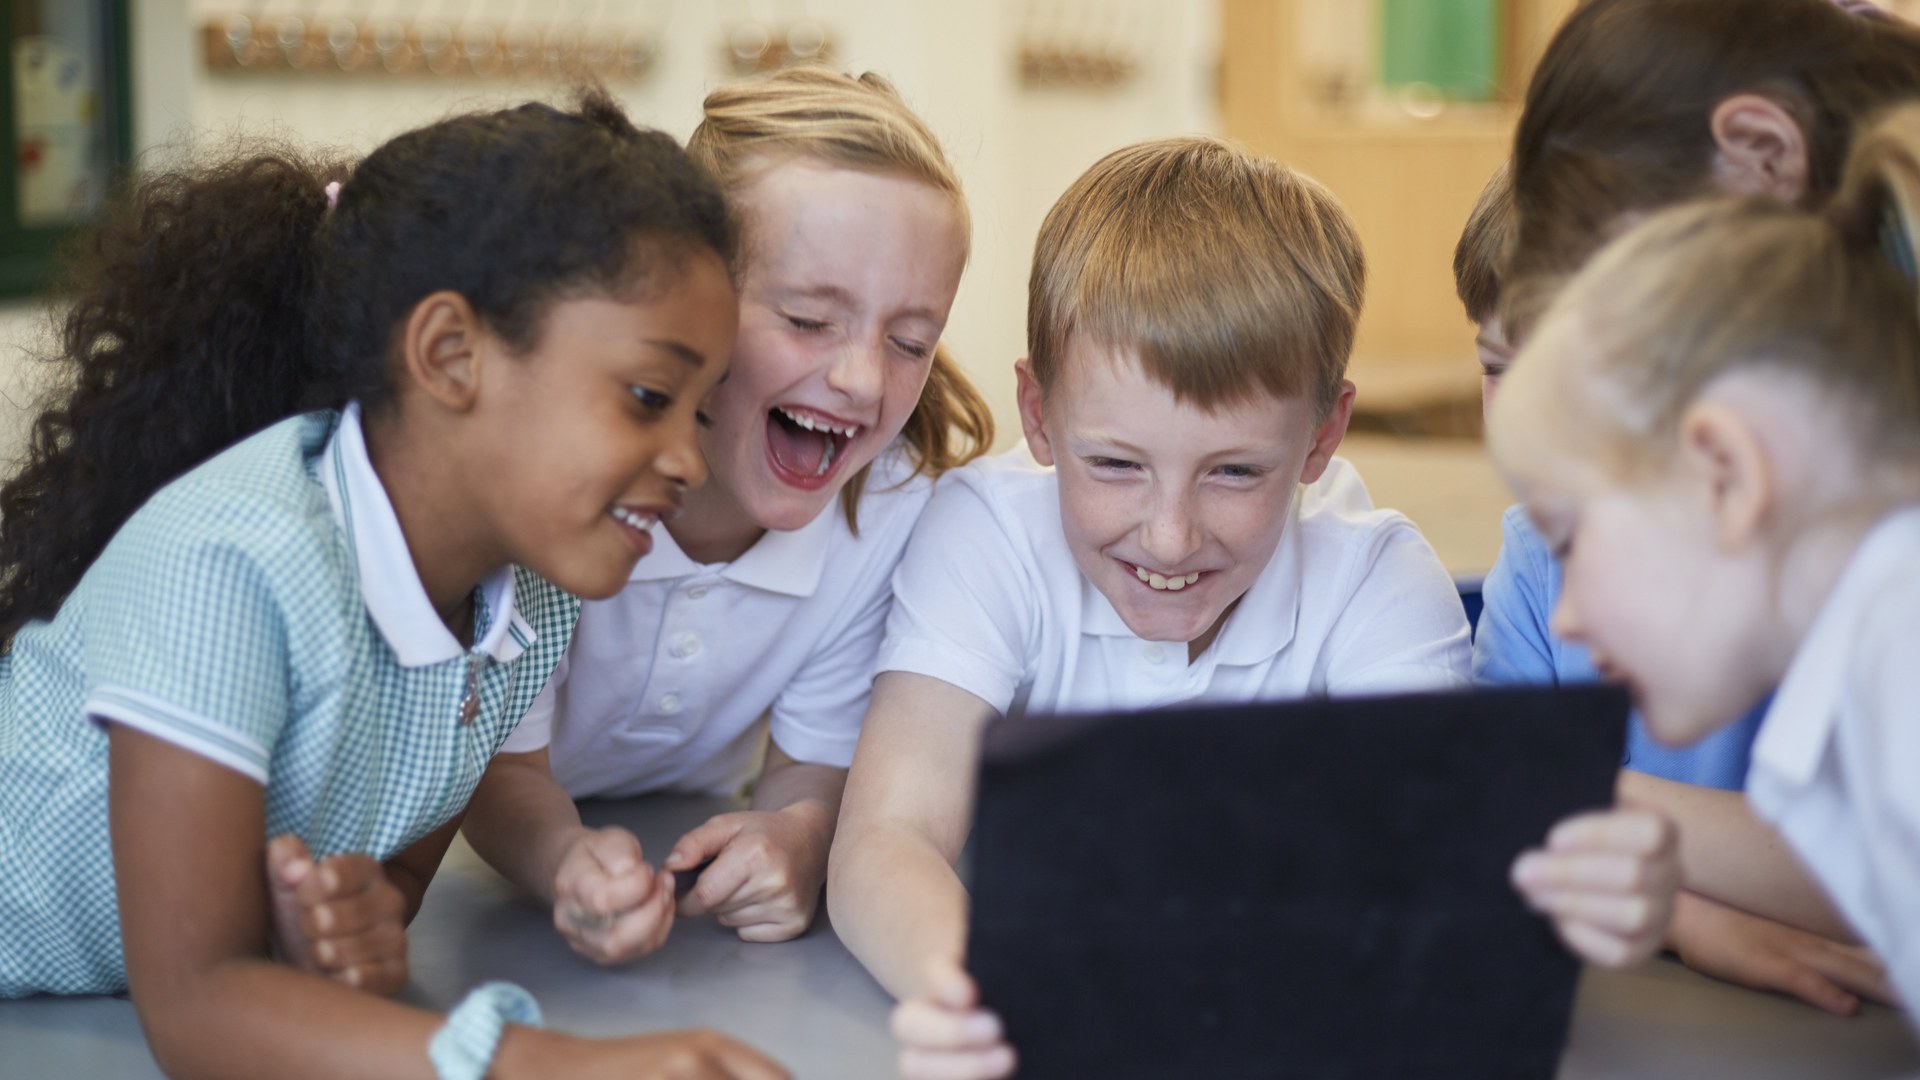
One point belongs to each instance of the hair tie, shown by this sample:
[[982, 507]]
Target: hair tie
[[333, 194]]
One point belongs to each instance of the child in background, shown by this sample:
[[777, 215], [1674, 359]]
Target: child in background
[[767, 594], [1191, 310], [1513, 645], [1746, 515], [506, 324]]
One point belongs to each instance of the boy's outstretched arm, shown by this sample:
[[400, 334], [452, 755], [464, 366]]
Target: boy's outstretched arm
[[189, 850], [895, 898], [896, 901], [608, 903]]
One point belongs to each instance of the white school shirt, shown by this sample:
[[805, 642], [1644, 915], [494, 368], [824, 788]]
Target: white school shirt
[[1837, 764], [665, 684], [989, 599]]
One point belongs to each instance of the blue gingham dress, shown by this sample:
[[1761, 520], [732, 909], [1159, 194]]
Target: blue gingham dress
[[226, 616]]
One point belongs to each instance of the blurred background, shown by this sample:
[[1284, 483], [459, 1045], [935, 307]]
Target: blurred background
[[1401, 107]]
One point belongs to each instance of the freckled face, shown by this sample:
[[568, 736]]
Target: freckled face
[[1171, 511], [600, 440], [849, 278]]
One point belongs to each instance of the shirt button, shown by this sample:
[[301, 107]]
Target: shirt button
[[670, 704], [696, 592], [687, 645], [1156, 654]]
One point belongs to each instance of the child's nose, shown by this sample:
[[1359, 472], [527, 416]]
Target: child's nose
[[681, 458], [859, 372], [1172, 534]]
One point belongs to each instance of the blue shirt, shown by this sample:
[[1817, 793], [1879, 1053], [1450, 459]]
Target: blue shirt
[[261, 612], [1513, 645]]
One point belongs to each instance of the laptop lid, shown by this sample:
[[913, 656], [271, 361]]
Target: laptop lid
[[1314, 888]]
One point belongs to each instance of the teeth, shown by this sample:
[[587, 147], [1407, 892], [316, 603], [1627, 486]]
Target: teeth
[[826, 459], [634, 519], [1163, 582], [810, 424]]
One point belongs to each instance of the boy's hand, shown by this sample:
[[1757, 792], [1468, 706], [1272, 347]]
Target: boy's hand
[[945, 1034], [607, 902], [339, 917], [767, 872], [1607, 880], [1760, 954]]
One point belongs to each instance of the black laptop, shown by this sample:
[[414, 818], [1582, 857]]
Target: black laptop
[[1314, 889]]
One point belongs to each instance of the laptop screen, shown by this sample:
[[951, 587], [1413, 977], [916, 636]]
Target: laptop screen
[[1314, 888]]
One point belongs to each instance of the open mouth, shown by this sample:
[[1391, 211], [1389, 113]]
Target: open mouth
[[807, 448]]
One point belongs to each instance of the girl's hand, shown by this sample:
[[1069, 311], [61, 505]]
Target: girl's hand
[[1607, 880], [339, 917], [946, 1035], [607, 902], [670, 1055], [767, 872], [1760, 954]]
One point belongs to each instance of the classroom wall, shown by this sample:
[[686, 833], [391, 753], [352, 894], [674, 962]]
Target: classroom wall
[[1016, 145]]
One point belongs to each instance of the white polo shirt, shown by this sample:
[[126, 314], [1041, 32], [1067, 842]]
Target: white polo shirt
[[664, 685], [1836, 766], [989, 599]]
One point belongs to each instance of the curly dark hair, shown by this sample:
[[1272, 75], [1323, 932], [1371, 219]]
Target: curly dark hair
[[218, 298]]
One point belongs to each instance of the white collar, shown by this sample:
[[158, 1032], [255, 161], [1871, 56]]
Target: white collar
[[1794, 736], [389, 584], [1246, 639], [789, 562]]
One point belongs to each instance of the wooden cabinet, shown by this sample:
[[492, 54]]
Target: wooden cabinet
[[1295, 84]]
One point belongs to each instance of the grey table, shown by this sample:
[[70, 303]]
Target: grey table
[[808, 1003]]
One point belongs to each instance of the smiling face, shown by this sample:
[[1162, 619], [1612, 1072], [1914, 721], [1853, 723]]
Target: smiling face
[[597, 426], [1667, 604], [849, 278], [1171, 510]]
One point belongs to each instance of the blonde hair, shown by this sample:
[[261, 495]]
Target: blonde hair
[[1707, 289], [818, 114], [1481, 255], [1228, 273]]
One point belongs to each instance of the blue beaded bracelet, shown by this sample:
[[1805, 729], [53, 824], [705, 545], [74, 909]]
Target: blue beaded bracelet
[[463, 1047]]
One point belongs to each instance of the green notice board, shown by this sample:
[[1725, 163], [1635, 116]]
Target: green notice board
[[1450, 45]]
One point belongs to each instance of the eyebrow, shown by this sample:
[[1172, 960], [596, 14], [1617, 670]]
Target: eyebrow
[[841, 296], [1101, 441], [691, 356]]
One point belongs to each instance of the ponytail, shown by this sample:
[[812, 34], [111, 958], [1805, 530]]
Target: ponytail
[[950, 426], [185, 335]]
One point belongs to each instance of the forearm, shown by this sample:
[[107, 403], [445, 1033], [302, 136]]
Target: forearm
[[803, 788], [252, 1018], [896, 904], [1730, 855], [522, 822]]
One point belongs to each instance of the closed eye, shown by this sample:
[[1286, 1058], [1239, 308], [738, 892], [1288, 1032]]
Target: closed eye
[[809, 325], [912, 348], [1111, 464]]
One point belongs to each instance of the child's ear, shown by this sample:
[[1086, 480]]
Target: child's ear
[[438, 348], [1724, 452], [1326, 437], [1759, 148], [1033, 411]]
